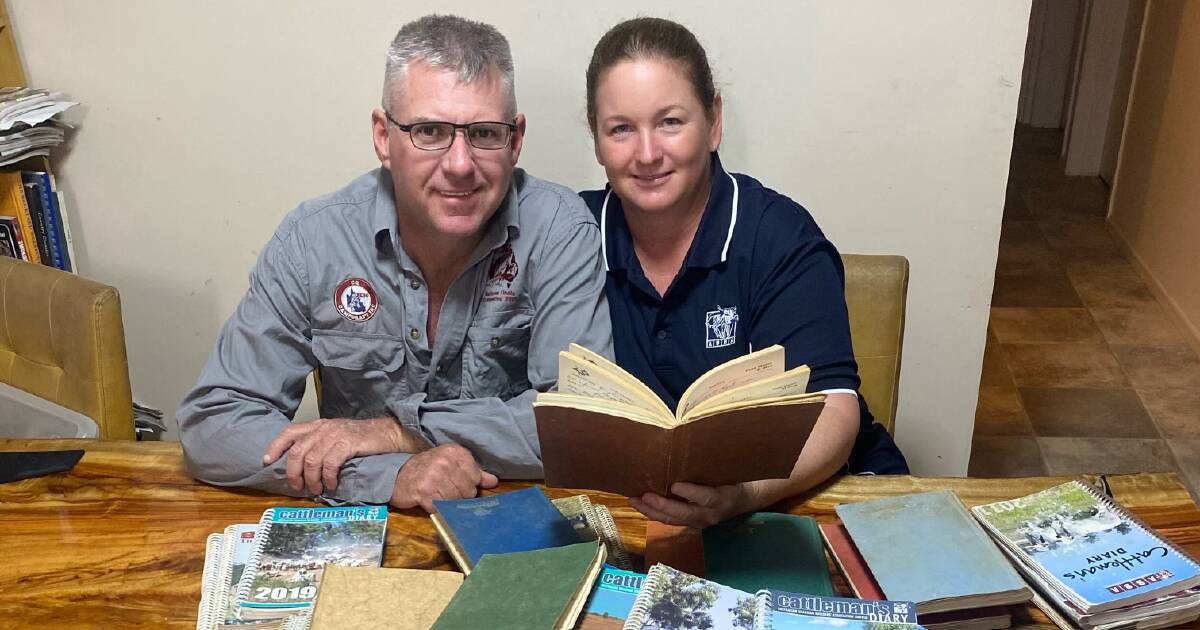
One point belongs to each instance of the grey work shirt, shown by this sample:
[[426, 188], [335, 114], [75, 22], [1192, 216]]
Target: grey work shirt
[[335, 290]]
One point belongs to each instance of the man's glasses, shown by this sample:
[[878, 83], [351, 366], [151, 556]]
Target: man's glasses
[[435, 136]]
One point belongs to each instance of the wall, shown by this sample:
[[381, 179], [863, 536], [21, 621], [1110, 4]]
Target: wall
[[1155, 203], [1051, 60], [1091, 108], [205, 122], [1130, 43]]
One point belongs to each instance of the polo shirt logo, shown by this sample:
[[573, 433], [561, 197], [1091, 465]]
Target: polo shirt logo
[[720, 327], [502, 273]]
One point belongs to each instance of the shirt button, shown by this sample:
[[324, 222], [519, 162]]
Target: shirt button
[[415, 285], [663, 334], [415, 334], [495, 342], [437, 370]]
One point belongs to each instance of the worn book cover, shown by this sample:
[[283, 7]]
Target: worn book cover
[[611, 600], [545, 588], [1092, 551], [674, 599], [847, 559], [291, 549], [13, 204], [366, 598], [521, 520], [744, 420], [768, 550], [927, 549]]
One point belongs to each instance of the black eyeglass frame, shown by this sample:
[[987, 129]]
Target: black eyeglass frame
[[512, 128]]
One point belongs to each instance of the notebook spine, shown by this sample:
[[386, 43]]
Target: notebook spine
[[762, 611], [264, 530], [213, 551], [607, 529], [640, 611]]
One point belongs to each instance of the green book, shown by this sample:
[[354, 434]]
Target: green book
[[782, 552], [546, 588]]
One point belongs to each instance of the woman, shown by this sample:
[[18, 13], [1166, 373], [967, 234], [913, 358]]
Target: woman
[[704, 265]]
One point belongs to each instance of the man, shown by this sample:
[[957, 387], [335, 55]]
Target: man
[[432, 294]]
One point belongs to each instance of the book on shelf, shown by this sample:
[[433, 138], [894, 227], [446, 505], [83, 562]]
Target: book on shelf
[[10, 239], [611, 599], [858, 576], [544, 588], [1091, 558], [40, 193], [743, 420], [14, 204], [926, 548], [521, 520], [768, 550], [291, 549], [595, 522], [374, 598]]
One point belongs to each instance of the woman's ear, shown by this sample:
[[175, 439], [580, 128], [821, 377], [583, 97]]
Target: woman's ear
[[714, 128]]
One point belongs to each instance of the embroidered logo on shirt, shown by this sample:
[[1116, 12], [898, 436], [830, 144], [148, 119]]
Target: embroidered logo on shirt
[[502, 273], [720, 327], [355, 300]]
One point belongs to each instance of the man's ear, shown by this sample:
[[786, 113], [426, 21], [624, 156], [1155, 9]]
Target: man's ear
[[379, 136], [518, 138]]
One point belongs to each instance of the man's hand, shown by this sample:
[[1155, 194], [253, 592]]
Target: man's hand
[[448, 471], [704, 505], [316, 450]]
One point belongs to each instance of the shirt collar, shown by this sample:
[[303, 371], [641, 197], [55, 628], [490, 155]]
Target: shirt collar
[[503, 225], [710, 245]]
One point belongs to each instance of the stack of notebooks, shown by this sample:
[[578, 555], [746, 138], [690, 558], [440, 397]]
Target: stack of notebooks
[[1094, 564], [27, 127], [269, 573], [927, 549], [33, 226]]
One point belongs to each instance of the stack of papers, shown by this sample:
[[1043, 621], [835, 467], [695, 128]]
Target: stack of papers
[[27, 127]]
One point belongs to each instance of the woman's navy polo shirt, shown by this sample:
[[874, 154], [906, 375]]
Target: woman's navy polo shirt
[[759, 272]]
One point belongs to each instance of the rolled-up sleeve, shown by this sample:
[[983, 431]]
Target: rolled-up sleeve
[[567, 290], [253, 383]]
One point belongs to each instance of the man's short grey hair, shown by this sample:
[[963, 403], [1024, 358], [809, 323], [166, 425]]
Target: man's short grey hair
[[471, 49]]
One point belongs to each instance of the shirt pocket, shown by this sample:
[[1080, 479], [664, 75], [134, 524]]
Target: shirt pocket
[[496, 360], [360, 372]]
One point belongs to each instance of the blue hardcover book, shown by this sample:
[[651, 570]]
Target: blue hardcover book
[[611, 600], [292, 547], [779, 610], [926, 548], [671, 598], [523, 520], [1089, 550], [55, 228]]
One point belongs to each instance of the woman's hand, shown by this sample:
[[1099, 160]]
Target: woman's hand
[[702, 505]]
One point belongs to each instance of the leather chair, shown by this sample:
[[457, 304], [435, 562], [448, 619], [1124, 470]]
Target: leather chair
[[61, 339], [876, 293]]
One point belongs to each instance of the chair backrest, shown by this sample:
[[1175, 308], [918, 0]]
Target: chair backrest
[[876, 293], [61, 339]]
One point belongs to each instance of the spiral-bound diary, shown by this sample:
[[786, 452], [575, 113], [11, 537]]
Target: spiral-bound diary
[[592, 521], [292, 547], [672, 598], [1086, 549]]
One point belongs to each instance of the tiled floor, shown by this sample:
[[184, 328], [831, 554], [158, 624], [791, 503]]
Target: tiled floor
[[1084, 372]]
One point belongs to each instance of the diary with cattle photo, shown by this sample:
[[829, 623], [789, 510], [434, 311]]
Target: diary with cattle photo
[[743, 420]]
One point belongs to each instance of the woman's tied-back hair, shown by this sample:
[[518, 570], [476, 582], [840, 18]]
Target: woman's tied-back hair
[[651, 38], [470, 49]]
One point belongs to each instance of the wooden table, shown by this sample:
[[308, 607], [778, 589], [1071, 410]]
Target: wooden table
[[119, 541]]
